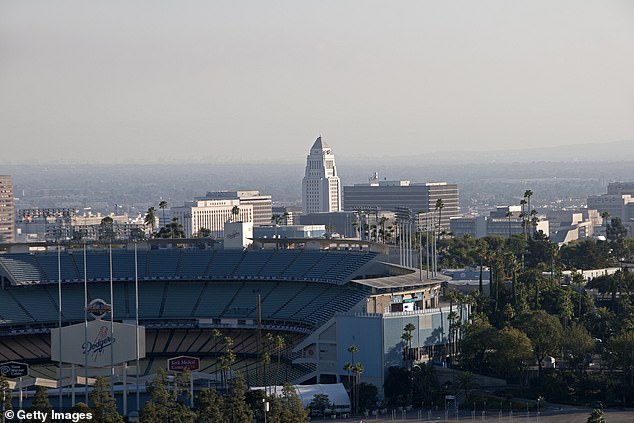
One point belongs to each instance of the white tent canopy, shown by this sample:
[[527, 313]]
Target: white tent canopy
[[336, 393]]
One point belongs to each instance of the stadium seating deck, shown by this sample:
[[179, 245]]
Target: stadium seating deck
[[23, 267], [178, 264]]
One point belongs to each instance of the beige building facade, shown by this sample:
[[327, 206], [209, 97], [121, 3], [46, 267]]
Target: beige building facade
[[7, 218], [212, 215]]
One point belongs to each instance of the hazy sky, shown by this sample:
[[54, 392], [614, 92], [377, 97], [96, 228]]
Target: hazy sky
[[120, 81]]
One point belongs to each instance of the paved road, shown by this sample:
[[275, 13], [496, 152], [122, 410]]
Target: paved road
[[554, 415]]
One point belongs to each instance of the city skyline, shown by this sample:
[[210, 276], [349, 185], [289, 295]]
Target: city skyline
[[208, 82]]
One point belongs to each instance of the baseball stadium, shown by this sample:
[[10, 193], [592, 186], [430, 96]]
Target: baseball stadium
[[286, 314]]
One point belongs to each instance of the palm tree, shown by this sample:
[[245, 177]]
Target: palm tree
[[439, 206], [513, 268], [276, 219], [452, 317], [528, 194], [107, 228], [481, 251], [596, 416], [204, 233], [509, 214], [353, 382], [348, 367], [534, 220], [280, 344], [465, 381], [163, 206], [606, 216], [175, 229], [357, 224], [494, 275], [407, 337], [382, 223], [227, 360], [523, 213], [215, 334], [150, 218], [357, 369], [267, 359], [267, 364], [235, 211], [352, 349]]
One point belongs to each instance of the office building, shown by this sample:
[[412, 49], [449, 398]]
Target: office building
[[7, 226], [63, 224], [321, 187], [403, 195], [212, 215], [342, 223], [621, 188], [616, 205], [504, 221], [290, 215], [571, 225], [262, 205]]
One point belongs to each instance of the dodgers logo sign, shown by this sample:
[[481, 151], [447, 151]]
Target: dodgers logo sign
[[99, 343]]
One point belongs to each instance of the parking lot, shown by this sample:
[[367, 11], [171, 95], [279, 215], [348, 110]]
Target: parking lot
[[551, 415]]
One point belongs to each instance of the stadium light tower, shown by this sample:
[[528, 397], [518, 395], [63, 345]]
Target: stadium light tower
[[59, 318]]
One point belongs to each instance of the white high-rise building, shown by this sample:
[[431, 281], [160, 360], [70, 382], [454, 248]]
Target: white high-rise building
[[321, 187]]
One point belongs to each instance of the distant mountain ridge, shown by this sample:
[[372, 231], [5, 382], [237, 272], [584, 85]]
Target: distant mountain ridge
[[610, 151]]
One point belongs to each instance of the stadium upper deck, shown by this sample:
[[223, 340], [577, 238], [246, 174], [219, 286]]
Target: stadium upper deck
[[335, 267], [295, 287]]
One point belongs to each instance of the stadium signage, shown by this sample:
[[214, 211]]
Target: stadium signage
[[182, 363], [232, 235], [13, 369], [97, 345], [101, 341], [98, 308]]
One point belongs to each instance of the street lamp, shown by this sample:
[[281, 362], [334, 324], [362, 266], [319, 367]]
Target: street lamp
[[266, 407]]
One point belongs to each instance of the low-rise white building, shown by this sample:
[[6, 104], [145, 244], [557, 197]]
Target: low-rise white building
[[262, 206], [212, 215], [571, 225], [504, 221]]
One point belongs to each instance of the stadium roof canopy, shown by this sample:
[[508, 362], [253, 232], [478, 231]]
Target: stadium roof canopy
[[402, 281]]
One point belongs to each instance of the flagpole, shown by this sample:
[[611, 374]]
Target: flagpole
[[427, 242], [136, 331], [85, 327], [59, 318], [112, 375]]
